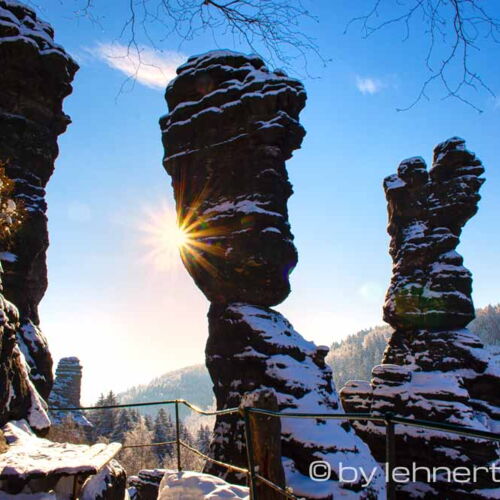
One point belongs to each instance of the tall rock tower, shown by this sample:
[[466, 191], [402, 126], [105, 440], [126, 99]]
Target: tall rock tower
[[231, 126], [433, 368], [36, 76], [66, 392]]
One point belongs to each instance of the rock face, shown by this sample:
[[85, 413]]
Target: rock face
[[66, 392], [145, 486], [231, 127], [430, 288], [108, 484], [433, 368], [36, 77], [253, 347], [232, 124], [18, 397]]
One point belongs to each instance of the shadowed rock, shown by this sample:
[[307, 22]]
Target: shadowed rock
[[18, 397], [231, 127], [430, 288], [36, 77], [251, 348]]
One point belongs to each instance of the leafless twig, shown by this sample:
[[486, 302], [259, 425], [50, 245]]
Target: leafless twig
[[454, 29], [269, 27]]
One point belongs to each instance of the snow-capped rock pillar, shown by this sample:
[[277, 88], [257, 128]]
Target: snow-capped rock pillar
[[36, 76], [66, 392], [433, 368], [231, 126]]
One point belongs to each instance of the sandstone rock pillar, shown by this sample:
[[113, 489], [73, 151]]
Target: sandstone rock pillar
[[36, 76], [232, 124], [433, 368], [66, 392]]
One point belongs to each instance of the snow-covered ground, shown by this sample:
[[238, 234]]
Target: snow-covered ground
[[198, 486]]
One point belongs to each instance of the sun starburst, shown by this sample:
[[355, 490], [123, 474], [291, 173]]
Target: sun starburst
[[193, 236], [163, 236]]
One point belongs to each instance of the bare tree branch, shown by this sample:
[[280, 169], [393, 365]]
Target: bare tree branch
[[454, 29], [269, 26]]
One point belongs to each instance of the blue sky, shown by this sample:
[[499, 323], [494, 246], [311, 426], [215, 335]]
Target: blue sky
[[130, 319]]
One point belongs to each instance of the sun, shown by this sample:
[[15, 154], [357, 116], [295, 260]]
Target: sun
[[163, 237], [191, 242], [173, 235]]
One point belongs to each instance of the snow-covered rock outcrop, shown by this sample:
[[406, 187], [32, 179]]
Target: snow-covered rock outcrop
[[253, 347], [433, 368], [66, 392], [232, 125], [19, 398], [35, 465], [36, 77]]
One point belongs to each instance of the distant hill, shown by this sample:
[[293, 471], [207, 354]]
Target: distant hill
[[354, 357], [191, 383]]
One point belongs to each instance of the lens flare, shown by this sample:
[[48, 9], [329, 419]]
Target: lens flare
[[195, 238], [163, 237]]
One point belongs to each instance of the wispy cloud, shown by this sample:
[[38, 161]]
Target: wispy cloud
[[144, 64], [368, 85]]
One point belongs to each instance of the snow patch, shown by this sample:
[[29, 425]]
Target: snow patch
[[197, 486]]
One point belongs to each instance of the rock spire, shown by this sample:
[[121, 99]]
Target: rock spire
[[433, 368], [66, 392], [36, 77], [231, 126]]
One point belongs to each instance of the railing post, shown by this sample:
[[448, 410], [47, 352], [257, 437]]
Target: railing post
[[177, 436], [250, 460], [390, 456]]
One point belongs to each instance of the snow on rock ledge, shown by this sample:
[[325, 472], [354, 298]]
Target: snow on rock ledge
[[39, 463], [252, 347], [197, 486]]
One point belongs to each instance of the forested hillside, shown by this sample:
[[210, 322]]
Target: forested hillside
[[354, 357], [191, 383], [133, 429]]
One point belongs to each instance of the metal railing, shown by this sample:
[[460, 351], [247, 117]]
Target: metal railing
[[388, 419]]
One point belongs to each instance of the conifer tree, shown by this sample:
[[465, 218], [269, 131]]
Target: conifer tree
[[96, 418], [109, 415], [124, 423], [163, 431], [203, 438], [148, 420]]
